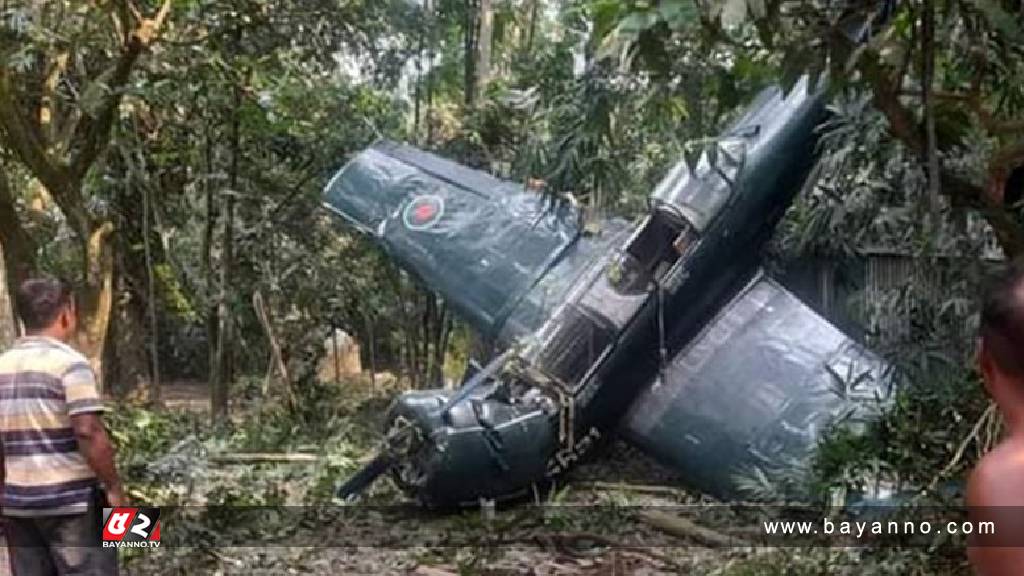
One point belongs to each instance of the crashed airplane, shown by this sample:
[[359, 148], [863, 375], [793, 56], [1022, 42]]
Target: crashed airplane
[[666, 332]]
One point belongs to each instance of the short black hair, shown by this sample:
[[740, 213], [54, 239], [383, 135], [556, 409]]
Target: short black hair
[[1002, 322], [40, 301]]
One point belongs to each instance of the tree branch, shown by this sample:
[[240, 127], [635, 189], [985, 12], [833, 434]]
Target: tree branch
[[90, 136], [902, 123], [904, 127], [931, 154], [987, 199], [47, 117], [94, 130], [27, 142], [25, 138], [986, 118]]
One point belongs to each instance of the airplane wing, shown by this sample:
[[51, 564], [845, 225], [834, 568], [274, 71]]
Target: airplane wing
[[759, 385], [480, 242]]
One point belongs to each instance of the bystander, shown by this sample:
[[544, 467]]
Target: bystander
[[56, 452], [995, 490]]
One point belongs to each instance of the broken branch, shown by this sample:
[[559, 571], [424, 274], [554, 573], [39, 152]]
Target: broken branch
[[94, 130], [690, 530], [637, 488], [263, 457], [987, 415]]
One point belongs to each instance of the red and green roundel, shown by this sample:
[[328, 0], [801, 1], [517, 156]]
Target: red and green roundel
[[423, 212]]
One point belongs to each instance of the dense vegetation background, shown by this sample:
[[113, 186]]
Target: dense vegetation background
[[169, 157]]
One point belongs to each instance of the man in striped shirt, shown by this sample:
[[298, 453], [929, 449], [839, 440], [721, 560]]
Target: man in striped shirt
[[56, 452]]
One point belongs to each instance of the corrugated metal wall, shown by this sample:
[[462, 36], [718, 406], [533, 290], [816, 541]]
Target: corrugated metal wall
[[888, 309]]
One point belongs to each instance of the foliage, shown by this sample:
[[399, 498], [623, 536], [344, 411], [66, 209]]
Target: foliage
[[207, 154], [165, 456], [954, 104]]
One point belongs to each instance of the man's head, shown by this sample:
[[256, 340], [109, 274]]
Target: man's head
[[1002, 337], [47, 307]]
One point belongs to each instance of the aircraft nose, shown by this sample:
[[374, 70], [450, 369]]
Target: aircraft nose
[[504, 448]]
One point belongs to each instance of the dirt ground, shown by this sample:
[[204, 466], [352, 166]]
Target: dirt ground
[[595, 522]]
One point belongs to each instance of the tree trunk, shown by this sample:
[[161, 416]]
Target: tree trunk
[[96, 298], [222, 369], [19, 248], [412, 328], [7, 321], [444, 327], [431, 55], [470, 31], [484, 41], [213, 371], [96, 292], [154, 328], [225, 365], [418, 89], [126, 363], [931, 154], [426, 335], [534, 9]]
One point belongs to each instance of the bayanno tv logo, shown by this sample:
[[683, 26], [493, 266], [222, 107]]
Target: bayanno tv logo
[[131, 527]]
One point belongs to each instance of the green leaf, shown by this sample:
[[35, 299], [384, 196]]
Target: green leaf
[[637, 22], [678, 14], [605, 16], [1001, 20]]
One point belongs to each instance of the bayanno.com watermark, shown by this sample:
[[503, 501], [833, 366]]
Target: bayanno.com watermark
[[131, 527], [863, 528], [405, 526]]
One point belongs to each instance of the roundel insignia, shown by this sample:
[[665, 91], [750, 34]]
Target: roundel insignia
[[423, 212]]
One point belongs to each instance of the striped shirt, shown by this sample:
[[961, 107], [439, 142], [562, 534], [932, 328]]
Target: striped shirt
[[43, 382]]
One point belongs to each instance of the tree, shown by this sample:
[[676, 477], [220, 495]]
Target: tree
[[19, 256], [470, 45], [7, 320], [59, 98], [955, 105], [485, 40]]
